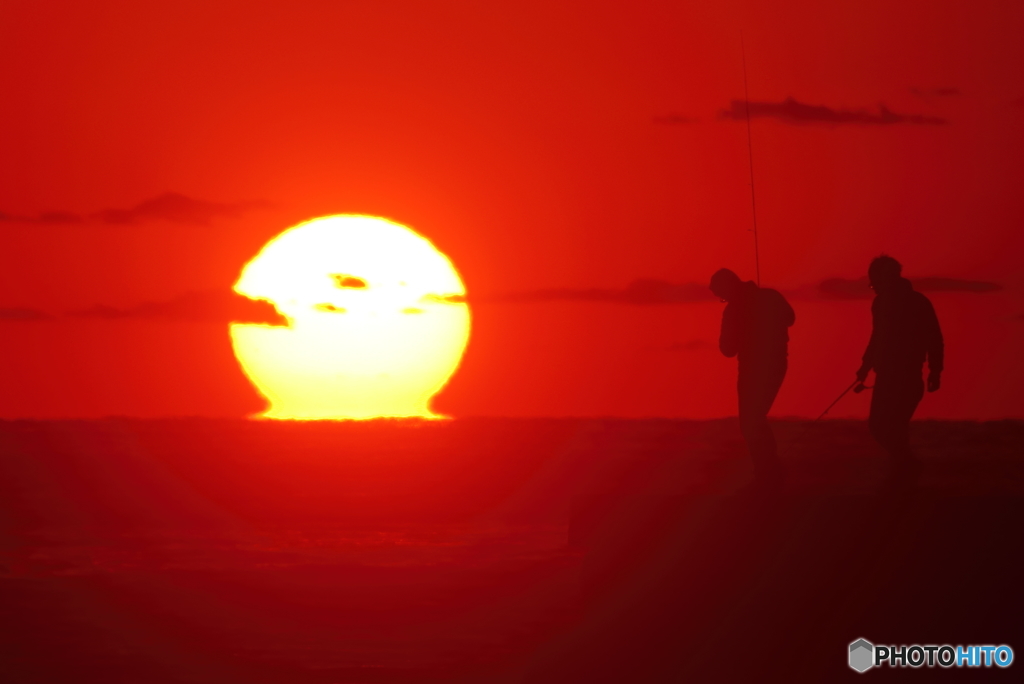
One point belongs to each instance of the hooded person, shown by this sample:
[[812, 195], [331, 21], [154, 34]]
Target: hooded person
[[904, 333], [755, 330]]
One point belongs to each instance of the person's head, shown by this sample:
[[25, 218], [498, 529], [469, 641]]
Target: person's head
[[883, 273], [725, 284]]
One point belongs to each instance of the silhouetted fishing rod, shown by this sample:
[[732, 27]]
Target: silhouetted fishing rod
[[857, 386], [750, 157]]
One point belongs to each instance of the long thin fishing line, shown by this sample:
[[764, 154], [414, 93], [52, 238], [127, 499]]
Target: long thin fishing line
[[750, 158]]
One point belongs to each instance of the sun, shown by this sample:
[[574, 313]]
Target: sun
[[377, 321]]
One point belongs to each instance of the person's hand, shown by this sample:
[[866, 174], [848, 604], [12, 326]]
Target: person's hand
[[862, 374], [933, 381]]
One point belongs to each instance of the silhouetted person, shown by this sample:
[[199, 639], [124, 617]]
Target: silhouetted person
[[905, 330], [755, 330]]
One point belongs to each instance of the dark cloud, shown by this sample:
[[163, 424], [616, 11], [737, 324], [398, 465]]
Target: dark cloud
[[175, 208], [644, 291], [652, 291], [841, 288], [171, 206], [210, 306], [14, 218], [794, 112], [954, 285], [675, 119], [17, 314], [228, 306], [59, 217]]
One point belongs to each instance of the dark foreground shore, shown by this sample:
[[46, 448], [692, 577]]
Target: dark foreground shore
[[492, 550]]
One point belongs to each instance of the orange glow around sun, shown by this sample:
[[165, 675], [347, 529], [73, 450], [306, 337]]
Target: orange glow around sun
[[377, 321]]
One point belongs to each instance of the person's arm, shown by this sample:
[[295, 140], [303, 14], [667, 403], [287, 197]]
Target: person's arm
[[729, 340], [935, 346], [868, 360]]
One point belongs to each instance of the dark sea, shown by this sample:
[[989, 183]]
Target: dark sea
[[495, 550]]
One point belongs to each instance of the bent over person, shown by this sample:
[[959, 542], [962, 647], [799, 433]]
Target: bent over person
[[904, 332], [755, 329]]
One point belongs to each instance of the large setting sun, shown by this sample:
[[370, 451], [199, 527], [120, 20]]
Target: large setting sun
[[377, 320]]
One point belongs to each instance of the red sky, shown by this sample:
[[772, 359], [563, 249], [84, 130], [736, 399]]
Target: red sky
[[540, 145]]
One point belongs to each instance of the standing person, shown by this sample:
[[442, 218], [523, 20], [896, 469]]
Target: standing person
[[904, 331], [755, 327]]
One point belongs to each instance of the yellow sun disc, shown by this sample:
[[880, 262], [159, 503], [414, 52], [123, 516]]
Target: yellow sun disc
[[377, 320]]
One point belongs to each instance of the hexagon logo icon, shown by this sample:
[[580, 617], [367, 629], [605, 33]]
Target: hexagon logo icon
[[861, 655]]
